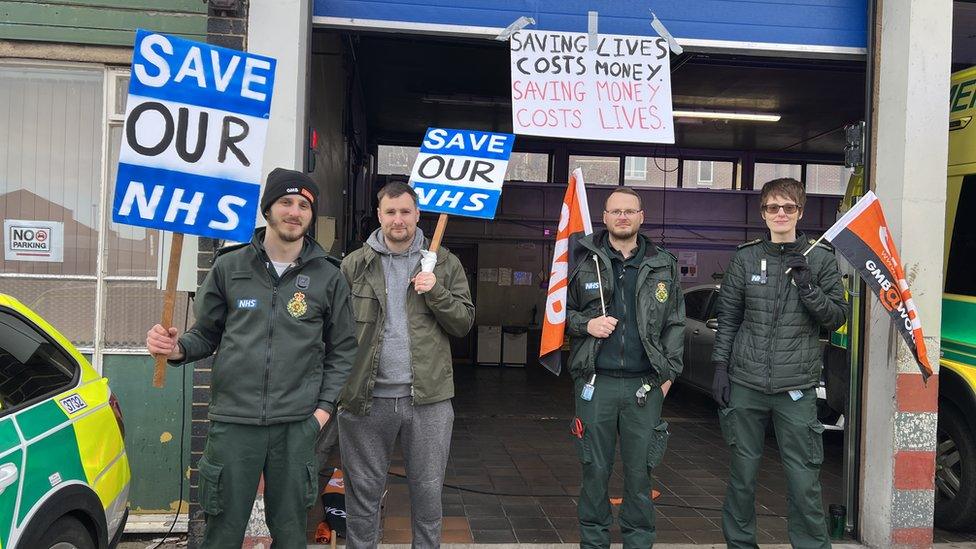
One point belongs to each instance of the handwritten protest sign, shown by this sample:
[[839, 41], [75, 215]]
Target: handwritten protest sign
[[195, 125], [621, 91], [461, 172]]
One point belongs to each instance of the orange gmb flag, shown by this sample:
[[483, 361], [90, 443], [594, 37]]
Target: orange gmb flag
[[574, 222], [862, 236]]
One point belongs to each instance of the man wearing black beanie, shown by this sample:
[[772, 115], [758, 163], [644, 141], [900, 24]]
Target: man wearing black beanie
[[283, 182], [277, 312]]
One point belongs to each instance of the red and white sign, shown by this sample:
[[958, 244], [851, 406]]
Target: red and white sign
[[26, 240], [620, 91]]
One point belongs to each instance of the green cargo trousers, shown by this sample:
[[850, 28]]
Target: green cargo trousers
[[643, 440], [800, 438], [231, 467]]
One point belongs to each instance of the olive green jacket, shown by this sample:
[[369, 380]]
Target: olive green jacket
[[660, 307], [769, 331], [446, 310], [284, 345]]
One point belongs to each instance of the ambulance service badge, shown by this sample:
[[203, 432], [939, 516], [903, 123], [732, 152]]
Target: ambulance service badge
[[662, 292], [297, 306]]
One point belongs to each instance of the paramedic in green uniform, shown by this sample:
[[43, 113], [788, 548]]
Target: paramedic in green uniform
[[767, 360], [277, 312], [623, 362]]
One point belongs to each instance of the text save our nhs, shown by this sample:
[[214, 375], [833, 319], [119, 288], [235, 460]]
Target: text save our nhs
[[460, 172], [194, 135]]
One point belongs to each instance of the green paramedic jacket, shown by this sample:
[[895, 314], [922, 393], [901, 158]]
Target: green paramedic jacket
[[660, 307], [284, 345], [446, 310], [768, 332]]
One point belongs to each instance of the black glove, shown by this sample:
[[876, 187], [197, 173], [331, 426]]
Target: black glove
[[721, 386], [800, 270]]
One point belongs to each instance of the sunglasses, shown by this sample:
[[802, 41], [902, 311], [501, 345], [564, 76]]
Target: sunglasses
[[790, 209]]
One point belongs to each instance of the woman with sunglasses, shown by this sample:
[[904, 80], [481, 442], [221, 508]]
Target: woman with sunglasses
[[777, 293]]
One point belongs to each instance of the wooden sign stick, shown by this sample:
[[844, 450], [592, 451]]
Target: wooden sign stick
[[169, 303], [435, 242]]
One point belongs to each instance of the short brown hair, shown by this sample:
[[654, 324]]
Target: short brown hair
[[394, 189], [784, 186], [627, 191]]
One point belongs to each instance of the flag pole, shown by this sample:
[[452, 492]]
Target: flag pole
[[812, 246], [599, 281]]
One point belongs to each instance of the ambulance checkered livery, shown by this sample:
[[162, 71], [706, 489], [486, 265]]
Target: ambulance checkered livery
[[64, 474]]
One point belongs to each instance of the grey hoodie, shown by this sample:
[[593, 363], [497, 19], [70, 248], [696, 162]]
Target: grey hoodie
[[395, 375]]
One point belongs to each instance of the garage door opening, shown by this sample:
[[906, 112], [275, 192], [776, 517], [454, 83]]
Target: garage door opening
[[514, 474]]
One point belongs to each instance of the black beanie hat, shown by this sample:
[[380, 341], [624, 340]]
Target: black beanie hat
[[281, 182]]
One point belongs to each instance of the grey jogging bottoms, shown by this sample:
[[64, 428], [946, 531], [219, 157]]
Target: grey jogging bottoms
[[366, 444]]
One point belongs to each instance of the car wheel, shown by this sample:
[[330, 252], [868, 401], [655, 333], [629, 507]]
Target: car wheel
[[67, 533], [955, 471]]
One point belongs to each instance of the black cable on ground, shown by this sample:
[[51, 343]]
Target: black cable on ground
[[179, 504], [502, 494]]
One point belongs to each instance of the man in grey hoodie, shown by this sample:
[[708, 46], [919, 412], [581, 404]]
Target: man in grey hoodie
[[402, 378]]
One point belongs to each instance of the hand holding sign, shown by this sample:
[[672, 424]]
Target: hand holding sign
[[459, 172], [161, 341], [424, 281]]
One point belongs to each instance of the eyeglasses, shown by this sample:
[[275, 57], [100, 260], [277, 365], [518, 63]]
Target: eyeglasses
[[622, 213], [790, 209]]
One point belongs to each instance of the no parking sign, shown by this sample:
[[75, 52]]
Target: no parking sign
[[29, 240]]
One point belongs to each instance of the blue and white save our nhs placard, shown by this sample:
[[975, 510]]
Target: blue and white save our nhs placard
[[193, 142], [460, 172]]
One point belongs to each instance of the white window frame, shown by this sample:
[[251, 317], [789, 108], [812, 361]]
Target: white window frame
[[702, 180], [634, 170], [110, 119]]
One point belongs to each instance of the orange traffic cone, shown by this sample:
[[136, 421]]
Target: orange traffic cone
[[617, 501]]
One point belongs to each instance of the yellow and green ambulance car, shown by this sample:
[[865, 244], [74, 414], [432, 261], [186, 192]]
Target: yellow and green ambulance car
[[64, 475], [955, 476]]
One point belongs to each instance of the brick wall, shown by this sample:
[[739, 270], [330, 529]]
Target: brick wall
[[227, 29], [198, 415]]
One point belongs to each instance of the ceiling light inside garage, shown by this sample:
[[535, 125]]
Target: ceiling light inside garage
[[752, 117]]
